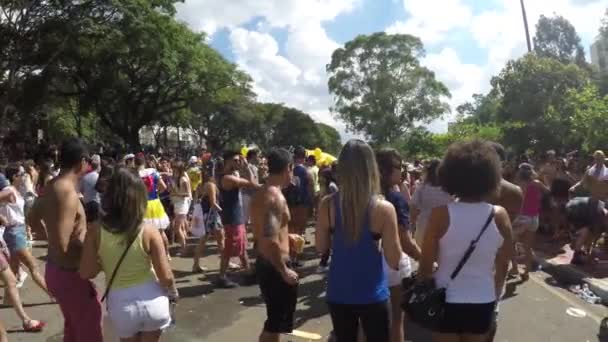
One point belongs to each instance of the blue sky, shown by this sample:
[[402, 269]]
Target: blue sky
[[285, 44]]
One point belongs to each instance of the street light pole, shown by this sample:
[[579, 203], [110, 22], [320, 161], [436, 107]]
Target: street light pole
[[523, 13]]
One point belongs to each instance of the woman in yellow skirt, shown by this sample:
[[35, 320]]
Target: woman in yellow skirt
[[155, 212]]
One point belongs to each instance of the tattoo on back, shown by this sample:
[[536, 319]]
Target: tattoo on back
[[272, 222]]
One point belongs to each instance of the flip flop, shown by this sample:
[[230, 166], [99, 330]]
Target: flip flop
[[29, 327]]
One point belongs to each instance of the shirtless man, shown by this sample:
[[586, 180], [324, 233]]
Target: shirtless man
[[60, 212], [270, 221], [510, 197]]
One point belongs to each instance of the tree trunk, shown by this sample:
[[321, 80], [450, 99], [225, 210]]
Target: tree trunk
[[132, 139]]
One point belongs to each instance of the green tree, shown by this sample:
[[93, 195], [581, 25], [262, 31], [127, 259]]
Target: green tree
[[136, 68], [418, 143], [381, 89], [532, 91], [482, 110], [295, 128], [329, 139], [556, 38], [588, 111], [224, 108]]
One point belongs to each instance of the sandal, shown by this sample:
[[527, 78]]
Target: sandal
[[33, 326]]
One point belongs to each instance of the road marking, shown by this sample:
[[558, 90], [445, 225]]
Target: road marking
[[304, 334], [572, 303]]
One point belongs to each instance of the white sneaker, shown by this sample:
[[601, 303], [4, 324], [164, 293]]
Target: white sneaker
[[22, 276]]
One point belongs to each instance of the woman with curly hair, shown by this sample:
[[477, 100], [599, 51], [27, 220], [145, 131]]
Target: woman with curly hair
[[471, 172]]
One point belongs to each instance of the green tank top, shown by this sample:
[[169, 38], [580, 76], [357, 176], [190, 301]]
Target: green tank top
[[136, 268]]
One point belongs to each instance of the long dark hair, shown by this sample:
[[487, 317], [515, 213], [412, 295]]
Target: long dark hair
[[386, 158], [124, 202], [46, 169], [430, 170]]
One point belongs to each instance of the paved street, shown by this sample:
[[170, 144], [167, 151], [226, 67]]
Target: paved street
[[534, 311]]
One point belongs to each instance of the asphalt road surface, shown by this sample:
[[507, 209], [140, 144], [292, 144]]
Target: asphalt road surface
[[538, 310]]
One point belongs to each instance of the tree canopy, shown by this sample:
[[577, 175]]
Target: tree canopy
[[381, 89], [556, 38]]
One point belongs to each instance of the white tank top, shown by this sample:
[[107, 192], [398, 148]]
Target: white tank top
[[14, 211], [475, 282]]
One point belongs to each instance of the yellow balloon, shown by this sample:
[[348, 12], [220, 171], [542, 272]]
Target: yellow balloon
[[318, 153], [244, 151]]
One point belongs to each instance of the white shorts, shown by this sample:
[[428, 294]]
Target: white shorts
[[139, 308], [395, 276], [523, 223], [181, 205]]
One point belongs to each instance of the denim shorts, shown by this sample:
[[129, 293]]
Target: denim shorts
[[15, 238]]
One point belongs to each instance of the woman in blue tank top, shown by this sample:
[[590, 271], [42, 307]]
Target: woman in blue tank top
[[359, 227]]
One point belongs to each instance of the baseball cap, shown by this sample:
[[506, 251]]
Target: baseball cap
[[193, 160], [3, 182], [128, 156]]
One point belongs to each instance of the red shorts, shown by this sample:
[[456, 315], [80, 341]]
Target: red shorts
[[235, 244]]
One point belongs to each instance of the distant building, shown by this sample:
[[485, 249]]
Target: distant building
[[599, 54], [154, 135]]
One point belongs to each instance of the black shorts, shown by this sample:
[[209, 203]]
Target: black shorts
[[474, 319], [280, 298], [91, 211], [374, 319]]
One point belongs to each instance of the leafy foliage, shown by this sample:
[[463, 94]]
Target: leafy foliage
[[381, 89], [557, 38], [532, 91]]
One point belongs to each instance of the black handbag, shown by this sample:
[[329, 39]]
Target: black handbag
[[423, 301]]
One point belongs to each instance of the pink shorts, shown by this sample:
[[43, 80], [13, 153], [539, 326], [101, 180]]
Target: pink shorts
[[79, 302], [235, 244]]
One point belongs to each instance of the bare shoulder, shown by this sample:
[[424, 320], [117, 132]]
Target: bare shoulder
[[62, 189], [509, 189], [383, 207]]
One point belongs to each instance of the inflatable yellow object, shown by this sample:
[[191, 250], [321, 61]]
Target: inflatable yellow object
[[323, 159], [244, 151]]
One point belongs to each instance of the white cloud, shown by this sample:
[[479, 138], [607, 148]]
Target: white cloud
[[462, 79], [431, 20], [498, 32], [294, 73], [211, 15], [501, 32], [297, 77]]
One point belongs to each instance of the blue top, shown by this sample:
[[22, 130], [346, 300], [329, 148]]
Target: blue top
[[357, 273], [300, 175], [401, 207], [232, 206]]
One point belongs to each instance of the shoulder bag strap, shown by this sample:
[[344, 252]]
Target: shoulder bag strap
[[472, 246], [122, 257]]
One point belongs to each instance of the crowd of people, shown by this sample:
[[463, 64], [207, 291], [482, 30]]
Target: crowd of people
[[376, 217]]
